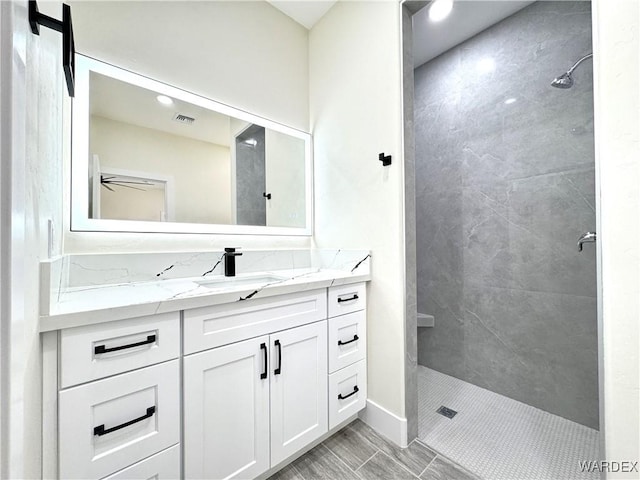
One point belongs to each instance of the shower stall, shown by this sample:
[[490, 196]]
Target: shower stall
[[505, 208]]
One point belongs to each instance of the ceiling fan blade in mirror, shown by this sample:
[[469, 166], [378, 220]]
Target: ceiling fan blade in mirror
[[131, 183]]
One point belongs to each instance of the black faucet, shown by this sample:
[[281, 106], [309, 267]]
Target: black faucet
[[230, 255]]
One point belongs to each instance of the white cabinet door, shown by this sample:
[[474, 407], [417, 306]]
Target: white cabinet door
[[226, 411], [298, 377]]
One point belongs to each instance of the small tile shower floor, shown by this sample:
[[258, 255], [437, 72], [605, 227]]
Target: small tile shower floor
[[498, 438], [358, 453]]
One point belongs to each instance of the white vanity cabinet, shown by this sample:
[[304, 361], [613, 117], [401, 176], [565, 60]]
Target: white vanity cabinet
[[347, 352], [251, 404], [119, 397], [219, 392]]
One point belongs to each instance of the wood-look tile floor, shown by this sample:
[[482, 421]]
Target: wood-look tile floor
[[357, 452]]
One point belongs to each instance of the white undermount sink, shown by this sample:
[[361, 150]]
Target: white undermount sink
[[238, 281]]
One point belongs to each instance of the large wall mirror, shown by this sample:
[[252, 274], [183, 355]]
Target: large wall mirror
[[150, 157]]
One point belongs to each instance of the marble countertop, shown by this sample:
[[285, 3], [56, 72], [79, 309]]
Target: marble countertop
[[89, 304]]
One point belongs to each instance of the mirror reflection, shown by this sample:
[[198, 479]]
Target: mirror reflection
[[156, 158]]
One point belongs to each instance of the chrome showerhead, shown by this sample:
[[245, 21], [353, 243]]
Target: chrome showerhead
[[566, 80], [563, 81]]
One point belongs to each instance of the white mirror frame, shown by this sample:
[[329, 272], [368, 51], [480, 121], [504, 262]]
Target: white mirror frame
[[80, 220]]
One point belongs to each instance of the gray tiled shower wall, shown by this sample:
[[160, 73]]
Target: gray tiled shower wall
[[504, 190], [251, 177]]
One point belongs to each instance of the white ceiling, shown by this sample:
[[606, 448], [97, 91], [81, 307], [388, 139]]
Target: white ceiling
[[124, 102], [468, 18], [430, 39], [305, 12], [131, 104]]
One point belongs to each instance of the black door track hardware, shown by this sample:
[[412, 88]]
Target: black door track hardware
[[386, 160], [266, 195], [64, 26]]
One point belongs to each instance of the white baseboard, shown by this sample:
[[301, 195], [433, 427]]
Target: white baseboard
[[385, 423]]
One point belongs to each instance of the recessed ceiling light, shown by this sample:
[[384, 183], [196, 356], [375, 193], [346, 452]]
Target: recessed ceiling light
[[163, 99], [251, 141], [440, 9], [509, 101]]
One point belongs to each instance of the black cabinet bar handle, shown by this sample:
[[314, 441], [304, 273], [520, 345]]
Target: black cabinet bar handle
[[355, 297], [279, 347], [263, 347], [103, 349], [355, 390], [100, 430], [355, 337]]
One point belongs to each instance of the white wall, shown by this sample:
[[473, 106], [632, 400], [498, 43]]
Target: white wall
[[201, 170], [245, 54], [33, 93], [285, 169], [617, 126], [355, 104], [129, 204]]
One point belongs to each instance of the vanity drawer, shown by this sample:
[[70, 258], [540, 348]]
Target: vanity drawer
[[161, 466], [347, 339], [347, 392], [210, 327], [347, 299], [98, 351], [109, 424]]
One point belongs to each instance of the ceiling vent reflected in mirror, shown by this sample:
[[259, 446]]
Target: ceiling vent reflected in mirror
[[178, 117]]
